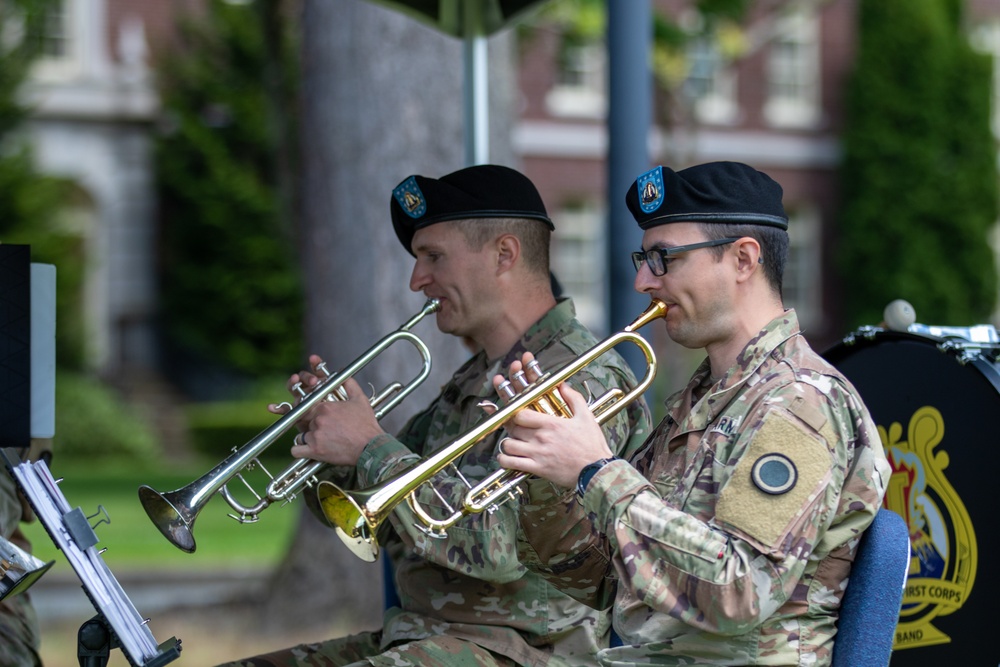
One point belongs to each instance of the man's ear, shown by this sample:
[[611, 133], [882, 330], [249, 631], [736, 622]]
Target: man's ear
[[747, 257], [508, 249]]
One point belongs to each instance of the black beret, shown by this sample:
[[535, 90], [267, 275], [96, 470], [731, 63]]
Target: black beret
[[728, 192], [482, 191]]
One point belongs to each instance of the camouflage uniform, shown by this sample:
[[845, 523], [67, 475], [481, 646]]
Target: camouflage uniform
[[713, 568], [467, 594], [20, 640]]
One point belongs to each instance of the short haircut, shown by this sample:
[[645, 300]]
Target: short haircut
[[773, 246], [535, 238]]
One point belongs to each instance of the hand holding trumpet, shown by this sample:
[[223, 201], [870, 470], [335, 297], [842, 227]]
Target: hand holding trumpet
[[333, 431], [554, 448]]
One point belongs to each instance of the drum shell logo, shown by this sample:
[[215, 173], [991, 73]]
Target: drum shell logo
[[944, 556], [933, 406]]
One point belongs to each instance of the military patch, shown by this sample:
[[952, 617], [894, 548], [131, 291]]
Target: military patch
[[650, 186], [410, 198], [761, 515], [774, 474]]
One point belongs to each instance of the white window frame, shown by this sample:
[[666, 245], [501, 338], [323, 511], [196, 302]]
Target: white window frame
[[985, 38], [793, 72], [70, 64], [579, 260], [581, 91], [715, 105], [802, 285]]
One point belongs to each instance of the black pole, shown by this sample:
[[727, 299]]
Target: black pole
[[629, 113]]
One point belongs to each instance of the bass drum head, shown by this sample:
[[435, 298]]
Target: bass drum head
[[934, 414]]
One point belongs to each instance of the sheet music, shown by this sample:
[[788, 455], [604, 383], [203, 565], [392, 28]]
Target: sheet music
[[105, 592]]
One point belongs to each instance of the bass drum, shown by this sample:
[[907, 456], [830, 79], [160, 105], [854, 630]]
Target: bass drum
[[933, 400]]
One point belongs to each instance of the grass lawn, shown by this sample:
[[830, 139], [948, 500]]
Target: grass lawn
[[133, 542]]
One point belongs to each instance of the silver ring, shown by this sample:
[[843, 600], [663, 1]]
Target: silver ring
[[500, 446], [300, 439]]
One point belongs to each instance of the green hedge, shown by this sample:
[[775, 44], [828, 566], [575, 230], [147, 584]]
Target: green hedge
[[95, 423]]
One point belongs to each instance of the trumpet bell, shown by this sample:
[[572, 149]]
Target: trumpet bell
[[169, 517], [347, 515], [18, 569]]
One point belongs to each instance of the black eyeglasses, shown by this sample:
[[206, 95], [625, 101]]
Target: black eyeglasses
[[656, 258]]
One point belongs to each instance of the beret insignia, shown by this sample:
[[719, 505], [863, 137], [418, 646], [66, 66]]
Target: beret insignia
[[774, 474], [650, 186], [410, 198]]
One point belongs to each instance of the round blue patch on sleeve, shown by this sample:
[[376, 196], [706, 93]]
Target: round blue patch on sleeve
[[774, 474]]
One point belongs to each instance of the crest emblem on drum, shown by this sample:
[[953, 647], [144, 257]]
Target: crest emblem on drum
[[944, 554]]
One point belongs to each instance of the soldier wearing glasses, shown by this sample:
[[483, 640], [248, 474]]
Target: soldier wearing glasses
[[732, 531]]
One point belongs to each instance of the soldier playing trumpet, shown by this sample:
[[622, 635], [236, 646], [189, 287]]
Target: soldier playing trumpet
[[480, 237], [732, 531]]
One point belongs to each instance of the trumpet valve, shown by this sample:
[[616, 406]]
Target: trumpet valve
[[521, 379], [506, 390]]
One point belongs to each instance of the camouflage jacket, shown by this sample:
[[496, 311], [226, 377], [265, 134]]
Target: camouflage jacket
[[20, 637], [734, 528], [471, 584]]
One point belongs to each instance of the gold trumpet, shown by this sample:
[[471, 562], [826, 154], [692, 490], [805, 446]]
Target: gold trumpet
[[357, 515], [174, 513]]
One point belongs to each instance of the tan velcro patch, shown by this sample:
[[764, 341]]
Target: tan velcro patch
[[764, 517]]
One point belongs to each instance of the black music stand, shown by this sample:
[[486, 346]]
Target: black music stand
[[117, 623]]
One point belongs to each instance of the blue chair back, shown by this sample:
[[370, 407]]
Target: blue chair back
[[390, 596], [869, 611]]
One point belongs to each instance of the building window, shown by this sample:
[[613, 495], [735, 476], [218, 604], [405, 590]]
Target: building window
[[55, 40], [793, 73], [579, 262], [710, 84], [986, 39], [581, 82], [801, 286], [60, 42]]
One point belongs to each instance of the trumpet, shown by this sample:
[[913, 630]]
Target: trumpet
[[18, 569], [174, 512], [357, 515]]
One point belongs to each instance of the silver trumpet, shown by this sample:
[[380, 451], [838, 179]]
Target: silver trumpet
[[357, 514], [18, 569], [174, 512]]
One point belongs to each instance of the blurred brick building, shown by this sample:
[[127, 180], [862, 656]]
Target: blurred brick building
[[777, 107]]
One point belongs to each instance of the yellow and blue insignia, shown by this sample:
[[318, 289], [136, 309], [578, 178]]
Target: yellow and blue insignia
[[410, 198], [650, 187], [774, 474]]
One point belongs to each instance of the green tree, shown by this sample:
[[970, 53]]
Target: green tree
[[919, 179], [30, 202], [232, 294]]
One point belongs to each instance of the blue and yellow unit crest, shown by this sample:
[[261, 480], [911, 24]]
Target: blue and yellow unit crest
[[944, 555], [410, 198]]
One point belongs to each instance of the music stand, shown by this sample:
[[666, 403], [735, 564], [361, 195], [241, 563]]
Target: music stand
[[117, 623]]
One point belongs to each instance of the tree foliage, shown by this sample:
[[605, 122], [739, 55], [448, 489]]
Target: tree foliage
[[919, 181], [30, 202], [232, 294]]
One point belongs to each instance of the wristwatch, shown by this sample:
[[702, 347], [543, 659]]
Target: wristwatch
[[588, 472]]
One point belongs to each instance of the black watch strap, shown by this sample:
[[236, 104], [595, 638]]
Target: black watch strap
[[587, 473]]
